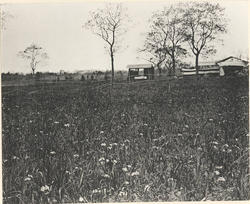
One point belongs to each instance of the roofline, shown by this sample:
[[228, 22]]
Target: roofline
[[143, 66], [230, 58]]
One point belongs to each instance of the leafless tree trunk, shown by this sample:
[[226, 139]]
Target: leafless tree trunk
[[109, 24]]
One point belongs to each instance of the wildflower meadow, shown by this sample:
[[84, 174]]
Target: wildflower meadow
[[167, 140]]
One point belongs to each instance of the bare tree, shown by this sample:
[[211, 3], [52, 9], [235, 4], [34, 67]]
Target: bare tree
[[35, 54], [203, 22], [166, 36], [109, 24], [154, 44]]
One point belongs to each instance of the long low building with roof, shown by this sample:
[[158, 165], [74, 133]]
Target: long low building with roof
[[222, 67]]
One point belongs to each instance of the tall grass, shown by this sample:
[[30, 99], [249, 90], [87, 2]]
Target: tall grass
[[136, 142]]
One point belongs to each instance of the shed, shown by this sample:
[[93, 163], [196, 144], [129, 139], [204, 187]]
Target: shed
[[140, 72]]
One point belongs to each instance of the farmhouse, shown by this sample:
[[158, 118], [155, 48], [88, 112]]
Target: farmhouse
[[227, 66], [140, 72]]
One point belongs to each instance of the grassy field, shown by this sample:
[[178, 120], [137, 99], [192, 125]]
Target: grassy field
[[147, 141]]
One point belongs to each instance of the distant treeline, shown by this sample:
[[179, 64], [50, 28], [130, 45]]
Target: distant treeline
[[96, 75]]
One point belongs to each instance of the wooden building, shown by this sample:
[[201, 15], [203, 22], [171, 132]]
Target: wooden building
[[140, 72], [228, 66], [232, 65]]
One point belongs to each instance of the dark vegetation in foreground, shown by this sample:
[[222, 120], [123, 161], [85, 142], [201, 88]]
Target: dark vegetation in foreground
[[146, 141]]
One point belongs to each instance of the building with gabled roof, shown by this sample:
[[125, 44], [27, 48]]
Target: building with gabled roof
[[227, 66]]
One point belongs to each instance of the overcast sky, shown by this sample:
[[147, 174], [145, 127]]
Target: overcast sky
[[57, 27]]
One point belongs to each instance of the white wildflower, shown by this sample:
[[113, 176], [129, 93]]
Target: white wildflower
[[15, 157], [125, 169], [107, 160], [122, 193], [170, 179], [52, 152], [129, 166], [66, 125], [186, 126], [95, 191], [146, 188], [115, 144], [101, 132], [101, 159], [136, 173], [81, 199], [103, 144], [114, 161], [76, 155], [221, 179], [45, 188], [219, 167], [106, 176], [56, 122], [27, 179], [217, 173], [126, 183], [179, 134], [211, 119], [141, 134]]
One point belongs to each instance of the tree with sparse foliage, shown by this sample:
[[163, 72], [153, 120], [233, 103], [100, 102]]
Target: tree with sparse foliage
[[109, 24], [154, 44], [203, 23], [35, 54], [166, 36]]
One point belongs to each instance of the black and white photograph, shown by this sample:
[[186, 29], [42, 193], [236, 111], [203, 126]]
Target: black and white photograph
[[124, 101]]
